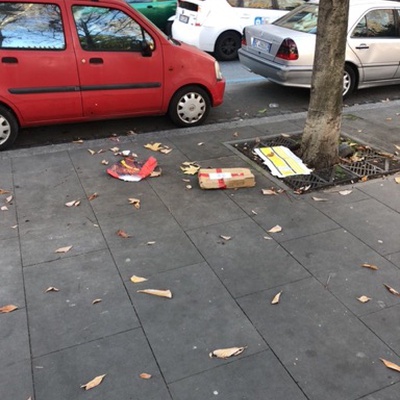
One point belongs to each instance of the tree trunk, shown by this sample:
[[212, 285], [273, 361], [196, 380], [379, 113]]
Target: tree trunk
[[320, 142]]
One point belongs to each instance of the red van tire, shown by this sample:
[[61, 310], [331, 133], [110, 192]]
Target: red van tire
[[8, 128], [189, 106]]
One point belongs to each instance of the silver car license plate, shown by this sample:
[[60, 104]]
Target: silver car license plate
[[261, 44], [184, 18]]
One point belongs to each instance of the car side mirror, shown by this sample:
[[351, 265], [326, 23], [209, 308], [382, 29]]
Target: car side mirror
[[147, 50]]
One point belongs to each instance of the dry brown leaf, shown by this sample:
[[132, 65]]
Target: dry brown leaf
[[4, 208], [186, 180], [345, 192], [166, 150], [134, 202], [79, 141], [94, 382], [397, 147], [92, 152], [14, 227], [276, 298], [391, 290], [370, 266], [65, 249], [123, 234], [151, 243], [228, 352], [114, 149], [235, 134], [104, 162], [51, 289], [269, 192], [254, 212], [225, 237], [73, 203], [153, 146], [93, 196], [319, 199], [157, 292], [397, 179], [2, 191], [267, 238], [190, 168], [95, 301], [390, 365], [137, 279], [364, 299], [275, 229], [200, 144], [145, 375], [156, 173], [8, 308], [9, 199]]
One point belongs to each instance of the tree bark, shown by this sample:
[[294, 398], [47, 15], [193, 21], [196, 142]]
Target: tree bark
[[320, 141]]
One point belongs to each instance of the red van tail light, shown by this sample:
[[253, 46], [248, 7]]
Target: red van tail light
[[288, 50]]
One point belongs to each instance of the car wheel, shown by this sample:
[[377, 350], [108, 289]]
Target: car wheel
[[8, 128], [189, 106], [349, 80], [227, 46], [168, 28]]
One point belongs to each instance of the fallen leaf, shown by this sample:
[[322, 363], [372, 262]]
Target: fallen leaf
[[4, 208], [52, 289], [137, 279], [276, 298], [134, 202], [235, 134], [188, 187], [391, 290], [92, 152], [364, 299], [8, 308], [190, 168], [100, 151], [285, 135], [2, 191], [254, 212], [186, 180], [14, 227], [225, 237], [104, 162], [93, 196], [269, 192], [226, 353], [114, 149], [65, 249], [156, 173], [9, 199], [123, 234], [370, 266], [151, 243], [80, 141], [364, 179], [389, 119], [397, 147], [345, 192], [73, 203], [200, 144], [275, 229], [153, 146], [145, 375], [267, 238], [390, 365], [319, 199], [397, 179], [94, 382], [156, 292], [95, 301]]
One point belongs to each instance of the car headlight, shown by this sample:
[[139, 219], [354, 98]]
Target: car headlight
[[218, 73]]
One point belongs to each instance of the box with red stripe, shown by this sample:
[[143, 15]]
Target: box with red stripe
[[225, 178]]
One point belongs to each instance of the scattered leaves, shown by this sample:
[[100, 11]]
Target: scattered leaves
[[225, 237], [370, 266], [345, 192], [391, 290], [93, 196], [276, 298], [95, 301], [65, 249], [123, 234], [93, 383], [51, 289], [275, 229], [137, 279], [390, 365], [134, 202], [145, 375], [157, 292], [73, 203], [158, 147], [190, 167], [364, 299], [8, 308], [226, 353]]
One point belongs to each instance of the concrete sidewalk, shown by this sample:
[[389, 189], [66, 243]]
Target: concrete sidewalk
[[318, 343]]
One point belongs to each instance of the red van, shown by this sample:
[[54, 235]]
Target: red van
[[80, 60]]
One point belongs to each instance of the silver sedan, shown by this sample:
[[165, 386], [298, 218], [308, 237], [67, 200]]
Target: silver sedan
[[283, 51]]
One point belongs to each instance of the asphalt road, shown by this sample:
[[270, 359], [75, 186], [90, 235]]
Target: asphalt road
[[246, 96]]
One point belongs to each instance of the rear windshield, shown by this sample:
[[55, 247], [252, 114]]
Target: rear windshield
[[303, 19]]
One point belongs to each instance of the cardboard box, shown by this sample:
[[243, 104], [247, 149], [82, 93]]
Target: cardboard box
[[225, 178]]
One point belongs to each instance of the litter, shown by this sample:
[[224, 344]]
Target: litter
[[131, 170], [225, 178]]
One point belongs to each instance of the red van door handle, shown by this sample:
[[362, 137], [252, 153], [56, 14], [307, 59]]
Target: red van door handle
[[9, 60], [96, 61]]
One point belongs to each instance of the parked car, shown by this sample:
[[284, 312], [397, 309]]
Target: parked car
[[283, 52], [157, 11], [216, 26], [79, 60]]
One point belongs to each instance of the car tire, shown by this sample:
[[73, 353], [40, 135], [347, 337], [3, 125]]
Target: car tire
[[227, 46], [189, 106], [349, 80], [168, 28], [8, 128]]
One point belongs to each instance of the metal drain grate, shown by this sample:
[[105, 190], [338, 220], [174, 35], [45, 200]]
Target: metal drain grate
[[362, 168], [311, 182]]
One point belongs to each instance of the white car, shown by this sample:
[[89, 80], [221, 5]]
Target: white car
[[216, 26]]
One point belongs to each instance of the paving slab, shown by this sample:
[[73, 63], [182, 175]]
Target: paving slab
[[200, 317], [383, 190], [16, 381], [335, 258], [259, 376], [68, 317], [12, 285], [370, 221], [388, 393], [121, 357], [326, 349], [247, 262]]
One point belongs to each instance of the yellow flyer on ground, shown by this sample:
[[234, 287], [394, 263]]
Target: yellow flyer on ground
[[282, 162]]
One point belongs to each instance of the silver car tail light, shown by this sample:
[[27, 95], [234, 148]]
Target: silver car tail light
[[288, 50]]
